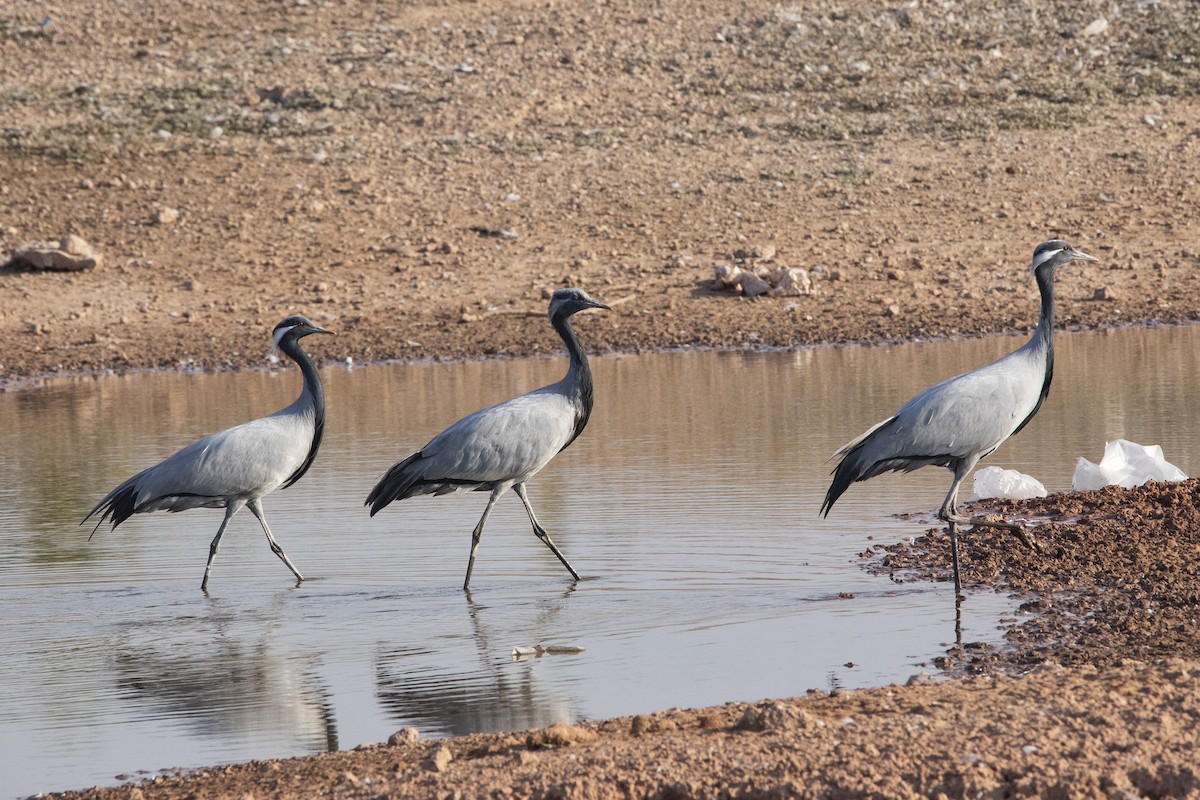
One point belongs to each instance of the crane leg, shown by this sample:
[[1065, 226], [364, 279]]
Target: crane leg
[[954, 558], [256, 509], [949, 513], [540, 532], [477, 534], [230, 510]]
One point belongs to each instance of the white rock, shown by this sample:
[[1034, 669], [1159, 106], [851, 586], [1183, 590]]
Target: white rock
[[727, 275], [752, 285], [1095, 28], [68, 254], [165, 216], [791, 282], [1125, 464]]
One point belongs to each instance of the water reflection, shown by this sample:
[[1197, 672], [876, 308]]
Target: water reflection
[[490, 692], [229, 689]]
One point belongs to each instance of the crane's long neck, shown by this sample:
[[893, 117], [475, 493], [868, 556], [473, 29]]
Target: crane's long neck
[[1041, 343], [1043, 335], [314, 392], [578, 380]]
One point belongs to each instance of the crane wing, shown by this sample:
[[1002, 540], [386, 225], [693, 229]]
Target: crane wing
[[512, 440]]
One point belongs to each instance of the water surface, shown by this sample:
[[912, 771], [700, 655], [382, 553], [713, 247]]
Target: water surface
[[689, 505]]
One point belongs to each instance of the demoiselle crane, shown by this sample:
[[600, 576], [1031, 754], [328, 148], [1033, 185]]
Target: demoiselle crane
[[503, 446], [237, 466], [957, 422]]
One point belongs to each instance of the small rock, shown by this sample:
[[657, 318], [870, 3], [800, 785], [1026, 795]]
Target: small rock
[[559, 734], [726, 275], [404, 736], [773, 716], [165, 216], [790, 282], [439, 760], [752, 285], [1103, 293], [895, 275], [711, 722], [763, 252], [920, 679], [892, 311], [68, 254], [192, 285], [1095, 28]]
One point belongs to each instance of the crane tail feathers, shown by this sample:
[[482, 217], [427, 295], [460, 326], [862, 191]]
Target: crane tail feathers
[[853, 464], [119, 505], [844, 474], [396, 484]]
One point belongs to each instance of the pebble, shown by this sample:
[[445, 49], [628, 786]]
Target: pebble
[[790, 282], [405, 735], [165, 216], [439, 760], [559, 734], [752, 285], [1095, 28], [772, 716]]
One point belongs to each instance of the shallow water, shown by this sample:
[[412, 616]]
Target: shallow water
[[689, 505]]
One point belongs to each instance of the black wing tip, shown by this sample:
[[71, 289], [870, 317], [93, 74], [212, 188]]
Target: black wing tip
[[844, 474], [118, 506], [376, 501], [394, 485], [830, 499]]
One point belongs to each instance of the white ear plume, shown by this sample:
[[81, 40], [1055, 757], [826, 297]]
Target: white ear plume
[[1045, 256]]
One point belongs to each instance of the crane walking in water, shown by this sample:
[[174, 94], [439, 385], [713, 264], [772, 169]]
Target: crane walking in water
[[955, 423], [503, 446], [237, 466]]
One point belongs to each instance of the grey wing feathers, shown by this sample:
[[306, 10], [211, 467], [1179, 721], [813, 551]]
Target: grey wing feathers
[[510, 441], [245, 461], [965, 416]]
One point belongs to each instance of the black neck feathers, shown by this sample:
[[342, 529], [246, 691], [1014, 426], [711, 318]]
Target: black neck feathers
[[1043, 335], [290, 345], [579, 375]]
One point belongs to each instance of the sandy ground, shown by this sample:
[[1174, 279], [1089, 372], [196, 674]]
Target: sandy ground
[[418, 176]]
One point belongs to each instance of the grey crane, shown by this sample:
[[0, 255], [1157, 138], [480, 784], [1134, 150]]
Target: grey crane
[[503, 446], [955, 423], [237, 466]]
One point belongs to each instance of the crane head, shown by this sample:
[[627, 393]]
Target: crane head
[[1053, 254], [565, 302], [293, 328]]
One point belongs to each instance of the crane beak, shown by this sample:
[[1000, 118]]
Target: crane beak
[[1079, 255]]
